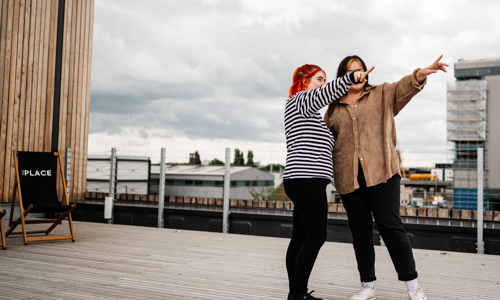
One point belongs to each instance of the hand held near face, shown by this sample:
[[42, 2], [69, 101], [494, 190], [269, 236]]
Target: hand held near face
[[360, 76]]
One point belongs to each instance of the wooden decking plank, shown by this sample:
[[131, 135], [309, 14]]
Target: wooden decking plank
[[131, 262]]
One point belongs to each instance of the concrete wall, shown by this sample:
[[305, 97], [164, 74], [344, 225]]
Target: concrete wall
[[241, 192]]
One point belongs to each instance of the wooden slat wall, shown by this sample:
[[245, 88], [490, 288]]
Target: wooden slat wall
[[28, 40]]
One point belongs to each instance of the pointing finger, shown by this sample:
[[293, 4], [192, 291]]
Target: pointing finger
[[369, 71], [437, 60]]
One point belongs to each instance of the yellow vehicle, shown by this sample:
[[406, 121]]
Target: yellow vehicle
[[426, 176]]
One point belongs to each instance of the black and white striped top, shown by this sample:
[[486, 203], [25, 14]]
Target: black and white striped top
[[309, 142]]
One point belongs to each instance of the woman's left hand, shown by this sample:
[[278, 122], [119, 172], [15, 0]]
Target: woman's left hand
[[433, 68]]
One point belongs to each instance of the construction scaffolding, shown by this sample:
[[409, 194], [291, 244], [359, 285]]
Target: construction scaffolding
[[466, 128], [466, 111]]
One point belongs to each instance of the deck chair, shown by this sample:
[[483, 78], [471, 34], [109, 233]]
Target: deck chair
[[36, 190], [2, 234]]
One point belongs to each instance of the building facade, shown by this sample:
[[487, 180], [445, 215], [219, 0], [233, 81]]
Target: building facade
[[473, 105], [208, 181], [131, 174], [45, 76]]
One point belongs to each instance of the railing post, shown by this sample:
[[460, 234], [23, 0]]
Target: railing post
[[479, 210], [67, 164], [225, 216], [112, 184], [161, 189]]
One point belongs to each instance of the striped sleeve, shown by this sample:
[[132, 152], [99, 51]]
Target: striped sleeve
[[308, 103], [309, 142]]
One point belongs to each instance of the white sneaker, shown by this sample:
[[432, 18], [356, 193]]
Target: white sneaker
[[366, 292], [416, 294]]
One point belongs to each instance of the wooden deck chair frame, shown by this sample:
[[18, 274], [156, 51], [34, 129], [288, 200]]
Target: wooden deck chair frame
[[24, 212], [2, 233]]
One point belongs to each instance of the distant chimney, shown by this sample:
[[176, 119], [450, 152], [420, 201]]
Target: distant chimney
[[192, 159]]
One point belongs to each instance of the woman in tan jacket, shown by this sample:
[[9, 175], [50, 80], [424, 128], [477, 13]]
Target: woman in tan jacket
[[366, 169]]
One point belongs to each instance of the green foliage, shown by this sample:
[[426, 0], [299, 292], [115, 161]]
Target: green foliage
[[276, 167], [239, 160], [268, 193], [250, 162], [216, 162], [197, 158]]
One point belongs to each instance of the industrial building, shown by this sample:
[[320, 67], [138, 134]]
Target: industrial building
[[136, 175], [131, 174], [208, 181], [473, 106]]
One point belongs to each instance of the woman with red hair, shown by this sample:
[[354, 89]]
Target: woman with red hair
[[309, 168]]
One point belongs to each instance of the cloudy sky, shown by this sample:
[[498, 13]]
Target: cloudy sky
[[208, 75]]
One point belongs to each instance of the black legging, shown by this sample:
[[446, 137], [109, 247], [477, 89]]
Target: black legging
[[309, 228]]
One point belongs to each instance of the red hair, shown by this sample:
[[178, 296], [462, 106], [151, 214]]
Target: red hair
[[304, 72]]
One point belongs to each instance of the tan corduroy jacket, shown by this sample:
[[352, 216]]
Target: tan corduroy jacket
[[367, 134]]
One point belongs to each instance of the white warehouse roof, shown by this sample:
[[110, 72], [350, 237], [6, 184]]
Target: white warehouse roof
[[201, 170]]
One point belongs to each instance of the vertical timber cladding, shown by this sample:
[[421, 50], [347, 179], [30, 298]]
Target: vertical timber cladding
[[33, 85]]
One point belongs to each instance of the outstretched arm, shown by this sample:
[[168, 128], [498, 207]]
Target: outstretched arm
[[410, 85], [433, 68], [312, 101]]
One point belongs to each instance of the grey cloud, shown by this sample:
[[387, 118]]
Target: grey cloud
[[212, 69], [143, 133], [106, 122], [233, 120]]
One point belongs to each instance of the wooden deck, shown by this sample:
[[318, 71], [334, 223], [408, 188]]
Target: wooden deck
[[131, 262]]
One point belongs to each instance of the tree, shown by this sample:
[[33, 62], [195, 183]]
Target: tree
[[239, 160], [242, 159], [236, 156], [250, 158], [276, 167], [216, 162], [197, 158]]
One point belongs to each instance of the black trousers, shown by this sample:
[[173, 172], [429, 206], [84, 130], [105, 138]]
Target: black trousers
[[383, 201], [309, 228]]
